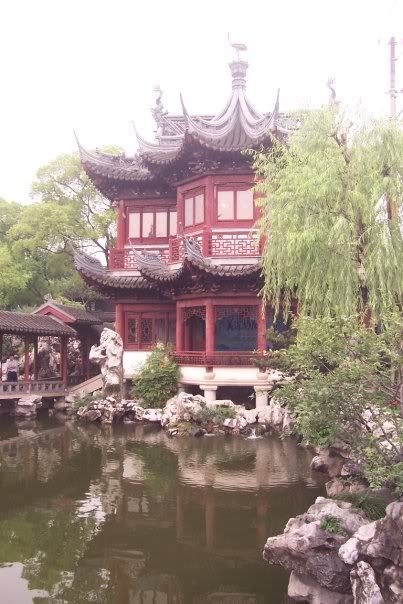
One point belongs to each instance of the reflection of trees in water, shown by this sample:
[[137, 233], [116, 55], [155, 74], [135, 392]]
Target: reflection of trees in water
[[109, 514]]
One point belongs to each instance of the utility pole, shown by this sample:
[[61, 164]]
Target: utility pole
[[392, 88]]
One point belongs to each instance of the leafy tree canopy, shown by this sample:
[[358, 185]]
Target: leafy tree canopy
[[34, 239], [332, 214]]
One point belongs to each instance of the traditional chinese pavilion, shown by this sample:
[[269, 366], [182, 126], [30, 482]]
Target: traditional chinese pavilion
[[186, 269]]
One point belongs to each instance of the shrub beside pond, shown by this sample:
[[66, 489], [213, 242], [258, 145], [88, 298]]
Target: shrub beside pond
[[157, 381]]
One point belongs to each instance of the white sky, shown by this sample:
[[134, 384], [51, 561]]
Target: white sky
[[91, 65]]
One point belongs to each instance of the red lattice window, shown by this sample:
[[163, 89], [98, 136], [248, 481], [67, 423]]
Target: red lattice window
[[143, 330], [132, 331], [146, 334]]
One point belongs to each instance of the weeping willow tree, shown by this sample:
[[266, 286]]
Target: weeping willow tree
[[332, 216]]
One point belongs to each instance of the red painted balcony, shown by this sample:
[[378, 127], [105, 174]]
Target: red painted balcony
[[217, 359], [214, 244]]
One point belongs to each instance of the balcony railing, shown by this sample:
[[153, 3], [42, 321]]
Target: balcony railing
[[121, 259], [43, 387], [223, 359], [214, 244]]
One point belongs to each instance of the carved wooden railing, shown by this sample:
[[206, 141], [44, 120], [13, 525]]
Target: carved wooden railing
[[220, 244], [214, 244], [33, 387], [223, 359]]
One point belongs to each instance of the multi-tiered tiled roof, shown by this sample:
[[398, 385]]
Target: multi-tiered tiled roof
[[183, 140]]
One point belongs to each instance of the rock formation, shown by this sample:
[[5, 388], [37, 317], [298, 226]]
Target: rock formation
[[307, 547], [335, 547], [109, 356], [27, 406]]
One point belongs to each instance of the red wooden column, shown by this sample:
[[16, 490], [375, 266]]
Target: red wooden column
[[26, 359], [261, 328], [36, 368], [63, 359], [119, 323], [210, 326], [179, 329], [1, 357], [120, 235]]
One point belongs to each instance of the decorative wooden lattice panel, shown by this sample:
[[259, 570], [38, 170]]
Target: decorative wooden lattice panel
[[242, 312], [146, 334], [194, 311], [132, 331], [233, 244]]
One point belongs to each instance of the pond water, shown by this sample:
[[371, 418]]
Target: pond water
[[127, 515]]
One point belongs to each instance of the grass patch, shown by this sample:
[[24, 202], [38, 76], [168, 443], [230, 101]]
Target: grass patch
[[374, 507], [331, 524]]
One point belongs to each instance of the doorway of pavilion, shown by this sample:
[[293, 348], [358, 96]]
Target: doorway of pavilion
[[195, 329]]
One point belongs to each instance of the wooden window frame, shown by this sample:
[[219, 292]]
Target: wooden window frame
[[192, 194], [235, 187], [150, 210]]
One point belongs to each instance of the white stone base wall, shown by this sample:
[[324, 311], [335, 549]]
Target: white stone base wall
[[208, 381]]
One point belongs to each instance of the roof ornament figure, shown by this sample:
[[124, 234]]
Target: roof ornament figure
[[158, 111], [331, 85]]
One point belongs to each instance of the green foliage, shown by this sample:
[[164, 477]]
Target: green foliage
[[35, 250], [333, 200], [87, 399], [67, 302], [331, 524], [215, 415], [348, 380], [373, 506], [157, 381]]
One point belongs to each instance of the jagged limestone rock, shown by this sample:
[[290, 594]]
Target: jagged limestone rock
[[307, 548], [364, 586], [109, 356]]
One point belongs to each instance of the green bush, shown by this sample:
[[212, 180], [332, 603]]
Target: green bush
[[342, 369], [157, 381], [374, 507], [331, 524], [215, 415]]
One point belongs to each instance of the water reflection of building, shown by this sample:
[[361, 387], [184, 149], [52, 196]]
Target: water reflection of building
[[175, 518]]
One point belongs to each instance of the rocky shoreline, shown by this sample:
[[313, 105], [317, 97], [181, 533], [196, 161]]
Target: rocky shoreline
[[186, 414]]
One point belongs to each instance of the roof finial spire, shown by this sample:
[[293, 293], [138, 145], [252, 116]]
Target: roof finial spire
[[238, 66], [239, 47]]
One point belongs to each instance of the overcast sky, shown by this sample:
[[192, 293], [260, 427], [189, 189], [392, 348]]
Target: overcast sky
[[91, 65]]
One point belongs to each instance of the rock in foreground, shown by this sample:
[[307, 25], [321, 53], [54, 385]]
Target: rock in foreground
[[308, 548]]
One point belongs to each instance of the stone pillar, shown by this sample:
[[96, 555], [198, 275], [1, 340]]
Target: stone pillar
[[262, 396], [209, 392], [179, 329], [210, 327]]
